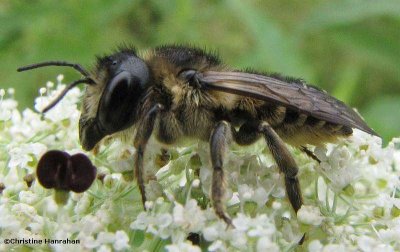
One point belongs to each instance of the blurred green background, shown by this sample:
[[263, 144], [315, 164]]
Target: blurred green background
[[349, 48]]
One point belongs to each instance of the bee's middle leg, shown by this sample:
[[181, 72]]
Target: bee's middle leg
[[144, 131], [219, 141]]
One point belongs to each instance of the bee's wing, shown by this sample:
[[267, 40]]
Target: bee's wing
[[297, 96]]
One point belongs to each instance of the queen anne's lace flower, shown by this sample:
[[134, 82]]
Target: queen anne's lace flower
[[189, 217], [121, 241], [310, 215], [352, 198], [182, 247]]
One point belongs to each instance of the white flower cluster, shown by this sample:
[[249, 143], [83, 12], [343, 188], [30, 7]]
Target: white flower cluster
[[351, 198]]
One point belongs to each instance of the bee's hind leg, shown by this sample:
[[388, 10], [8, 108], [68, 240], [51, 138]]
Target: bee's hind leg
[[286, 164], [144, 131], [220, 138]]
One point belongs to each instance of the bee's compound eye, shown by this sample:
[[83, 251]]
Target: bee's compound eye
[[117, 106]]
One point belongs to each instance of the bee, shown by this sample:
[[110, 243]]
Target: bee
[[177, 92]]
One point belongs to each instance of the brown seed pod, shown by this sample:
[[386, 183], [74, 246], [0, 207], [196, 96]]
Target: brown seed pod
[[29, 178], [2, 187]]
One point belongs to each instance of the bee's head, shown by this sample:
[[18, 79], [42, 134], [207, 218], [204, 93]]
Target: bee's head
[[110, 103], [123, 78]]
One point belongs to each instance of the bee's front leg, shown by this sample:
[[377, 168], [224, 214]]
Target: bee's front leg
[[286, 164], [220, 138], [144, 131]]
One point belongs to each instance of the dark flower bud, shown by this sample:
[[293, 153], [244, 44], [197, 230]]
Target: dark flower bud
[[57, 169], [52, 169], [82, 173]]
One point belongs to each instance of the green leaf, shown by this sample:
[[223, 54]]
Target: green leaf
[[347, 84], [137, 238], [379, 50], [344, 12], [382, 114], [273, 47]]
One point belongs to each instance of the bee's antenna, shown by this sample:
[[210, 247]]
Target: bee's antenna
[[77, 67], [65, 91]]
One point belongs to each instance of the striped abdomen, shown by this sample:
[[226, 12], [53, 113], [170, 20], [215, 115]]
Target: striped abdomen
[[298, 129]]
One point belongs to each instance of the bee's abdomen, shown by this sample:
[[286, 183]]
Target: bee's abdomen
[[294, 118], [297, 128]]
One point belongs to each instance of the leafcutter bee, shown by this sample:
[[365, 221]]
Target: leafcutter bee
[[177, 92]]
